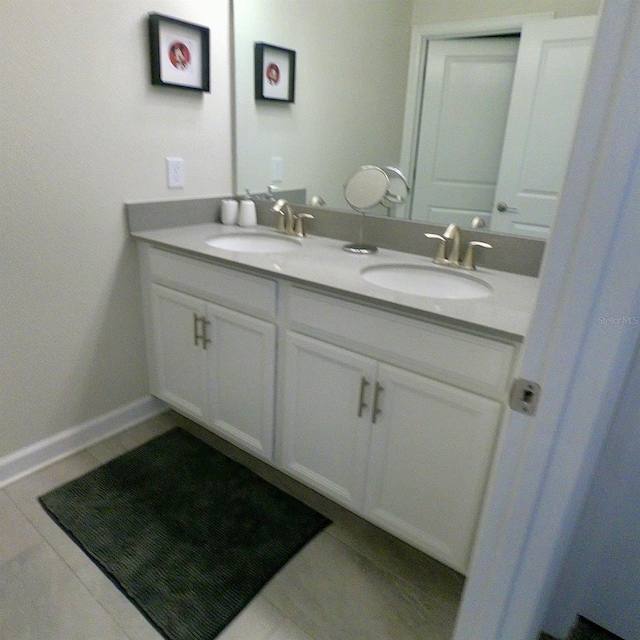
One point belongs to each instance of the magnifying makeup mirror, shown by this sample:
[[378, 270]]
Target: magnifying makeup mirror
[[396, 176], [365, 189]]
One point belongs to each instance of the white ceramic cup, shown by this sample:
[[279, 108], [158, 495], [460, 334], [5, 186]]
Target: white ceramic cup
[[247, 216], [229, 213]]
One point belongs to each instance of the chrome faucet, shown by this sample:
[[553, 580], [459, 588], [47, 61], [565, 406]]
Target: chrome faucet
[[286, 217], [288, 222], [446, 255], [450, 255], [452, 232]]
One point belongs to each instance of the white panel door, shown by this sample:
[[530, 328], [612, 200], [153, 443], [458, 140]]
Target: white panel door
[[466, 99], [431, 450], [327, 405], [553, 63], [241, 378], [181, 359]]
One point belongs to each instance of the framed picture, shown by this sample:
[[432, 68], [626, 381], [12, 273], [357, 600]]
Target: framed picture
[[179, 53], [275, 73]]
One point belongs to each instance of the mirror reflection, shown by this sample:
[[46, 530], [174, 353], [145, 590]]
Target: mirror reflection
[[478, 114]]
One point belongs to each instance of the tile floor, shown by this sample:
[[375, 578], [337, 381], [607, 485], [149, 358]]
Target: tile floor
[[352, 582]]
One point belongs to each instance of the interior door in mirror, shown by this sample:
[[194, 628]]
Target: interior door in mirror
[[553, 62]]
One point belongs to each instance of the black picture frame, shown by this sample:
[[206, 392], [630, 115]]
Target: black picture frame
[[275, 73], [179, 53]]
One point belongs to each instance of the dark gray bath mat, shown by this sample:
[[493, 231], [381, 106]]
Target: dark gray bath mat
[[188, 535]]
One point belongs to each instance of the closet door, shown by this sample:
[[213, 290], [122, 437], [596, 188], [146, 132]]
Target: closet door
[[553, 63]]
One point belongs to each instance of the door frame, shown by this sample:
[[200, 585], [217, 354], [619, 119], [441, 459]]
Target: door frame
[[591, 273], [420, 36]]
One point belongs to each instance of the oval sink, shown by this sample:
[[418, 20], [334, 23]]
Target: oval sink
[[430, 282], [254, 243]]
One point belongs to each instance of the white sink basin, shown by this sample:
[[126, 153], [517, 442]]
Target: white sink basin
[[430, 282], [254, 243]]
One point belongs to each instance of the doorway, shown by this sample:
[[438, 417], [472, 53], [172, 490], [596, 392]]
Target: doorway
[[489, 129]]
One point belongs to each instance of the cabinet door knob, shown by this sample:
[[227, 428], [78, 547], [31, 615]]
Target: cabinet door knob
[[376, 398], [364, 383]]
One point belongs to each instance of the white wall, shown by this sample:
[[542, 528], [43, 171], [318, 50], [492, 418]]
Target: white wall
[[351, 62], [425, 11], [82, 131]]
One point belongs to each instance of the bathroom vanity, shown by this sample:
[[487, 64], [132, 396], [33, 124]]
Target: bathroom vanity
[[389, 403]]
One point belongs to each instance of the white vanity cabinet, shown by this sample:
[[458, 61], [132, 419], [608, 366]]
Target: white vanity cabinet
[[393, 417], [389, 414], [211, 344]]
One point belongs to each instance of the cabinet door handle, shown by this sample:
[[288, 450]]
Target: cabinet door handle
[[364, 383], [205, 340], [203, 335], [376, 399], [196, 337]]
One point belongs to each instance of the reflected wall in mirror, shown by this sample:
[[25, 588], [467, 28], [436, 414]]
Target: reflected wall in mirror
[[351, 74], [363, 71]]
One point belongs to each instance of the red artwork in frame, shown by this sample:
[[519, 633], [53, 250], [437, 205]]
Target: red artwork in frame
[[275, 73], [179, 53]]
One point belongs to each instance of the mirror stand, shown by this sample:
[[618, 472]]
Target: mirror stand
[[365, 189], [360, 247]]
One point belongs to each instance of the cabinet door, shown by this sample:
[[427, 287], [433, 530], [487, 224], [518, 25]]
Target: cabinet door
[[241, 378], [431, 449], [180, 359], [326, 425]]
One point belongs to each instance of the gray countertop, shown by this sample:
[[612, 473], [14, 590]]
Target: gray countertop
[[322, 262]]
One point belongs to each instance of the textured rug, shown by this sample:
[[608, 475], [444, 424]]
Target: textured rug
[[188, 535]]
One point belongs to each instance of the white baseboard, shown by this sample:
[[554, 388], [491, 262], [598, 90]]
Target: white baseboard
[[73, 439]]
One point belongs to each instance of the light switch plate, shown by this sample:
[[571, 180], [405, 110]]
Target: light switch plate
[[276, 169], [175, 173]]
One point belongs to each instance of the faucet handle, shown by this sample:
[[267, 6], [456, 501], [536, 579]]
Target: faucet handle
[[299, 227], [468, 261], [440, 255]]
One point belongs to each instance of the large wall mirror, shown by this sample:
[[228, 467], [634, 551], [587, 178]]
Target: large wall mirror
[[477, 113]]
